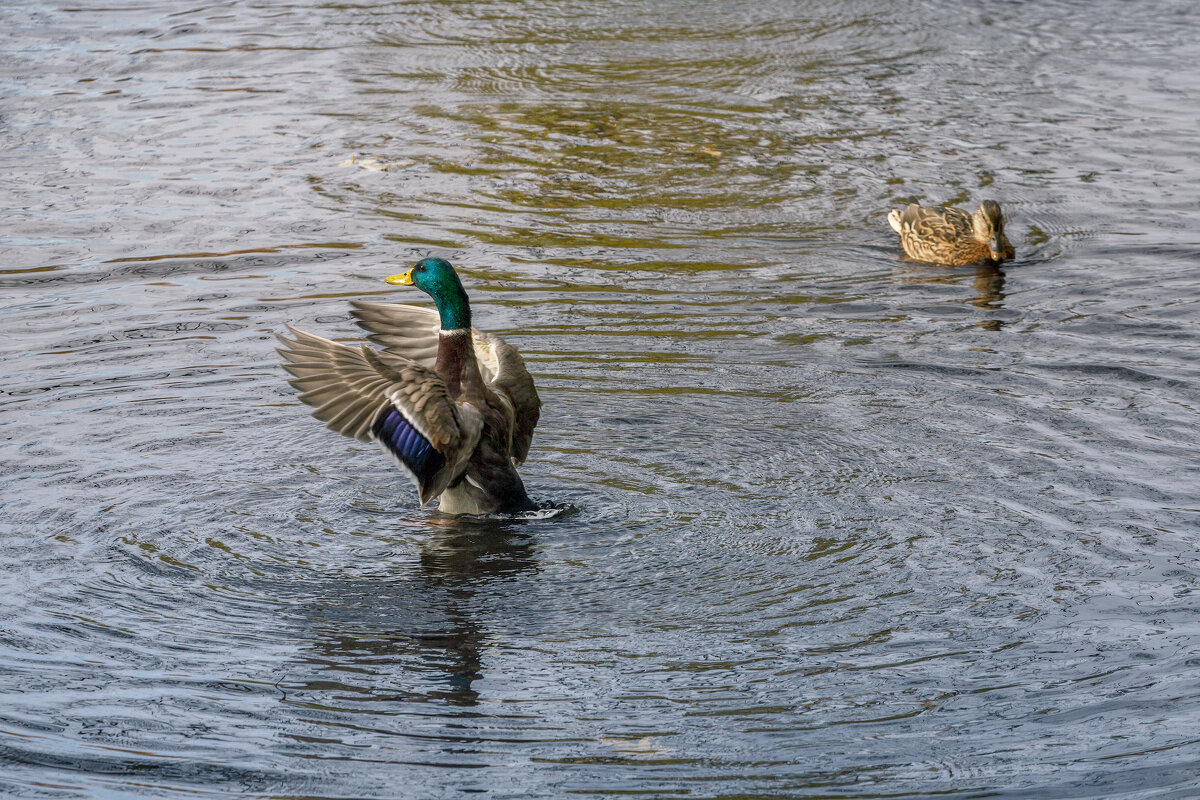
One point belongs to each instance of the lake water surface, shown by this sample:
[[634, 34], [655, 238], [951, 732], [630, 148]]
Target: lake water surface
[[848, 526]]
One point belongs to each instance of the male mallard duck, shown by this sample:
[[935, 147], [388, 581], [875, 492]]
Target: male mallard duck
[[453, 405], [950, 236]]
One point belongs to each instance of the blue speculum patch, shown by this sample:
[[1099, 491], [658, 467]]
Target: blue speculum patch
[[413, 449]]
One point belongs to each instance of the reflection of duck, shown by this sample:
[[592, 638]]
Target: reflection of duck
[[418, 639], [487, 551], [987, 280], [453, 405], [951, 236], [989, 283]]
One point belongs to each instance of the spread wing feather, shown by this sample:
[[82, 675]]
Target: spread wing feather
[[373, 396], [509, 379], [345, 393], [407, 331], [412, 332]]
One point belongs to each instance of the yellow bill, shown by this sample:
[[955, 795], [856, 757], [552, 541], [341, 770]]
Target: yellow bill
[[400, 280]]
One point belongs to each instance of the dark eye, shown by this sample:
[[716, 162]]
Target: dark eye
[[421, 268]]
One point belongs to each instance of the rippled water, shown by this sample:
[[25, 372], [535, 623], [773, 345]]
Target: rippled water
[[848, 526]]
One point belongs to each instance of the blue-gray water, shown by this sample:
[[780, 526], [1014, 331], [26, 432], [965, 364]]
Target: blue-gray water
[[849, 527]]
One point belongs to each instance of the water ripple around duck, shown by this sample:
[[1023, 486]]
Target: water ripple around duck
[[843, 525]]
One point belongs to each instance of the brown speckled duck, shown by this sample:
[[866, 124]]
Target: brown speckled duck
[[453, 405], [952, 237]]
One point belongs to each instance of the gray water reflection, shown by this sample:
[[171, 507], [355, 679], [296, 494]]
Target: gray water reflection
[[382, 639], [848, 526]]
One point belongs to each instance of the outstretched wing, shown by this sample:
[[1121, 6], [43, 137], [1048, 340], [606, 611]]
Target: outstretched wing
[[504, 371], [405, 406], [412, 332]]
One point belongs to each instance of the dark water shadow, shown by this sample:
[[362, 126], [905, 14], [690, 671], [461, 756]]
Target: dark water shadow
[[988, 284], [466, 550], [418, 637], [987, 280]]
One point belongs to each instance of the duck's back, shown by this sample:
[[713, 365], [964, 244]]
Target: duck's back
[[937, 235]]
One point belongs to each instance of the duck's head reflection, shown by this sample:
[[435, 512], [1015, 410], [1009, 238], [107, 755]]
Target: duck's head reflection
[[420, 637], [989, 283], [987, 280]]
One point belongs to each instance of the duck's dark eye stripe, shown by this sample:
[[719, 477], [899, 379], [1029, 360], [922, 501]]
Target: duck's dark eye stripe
[[410, 447]]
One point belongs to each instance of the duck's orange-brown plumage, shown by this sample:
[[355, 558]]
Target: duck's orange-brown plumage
[[951, 236]]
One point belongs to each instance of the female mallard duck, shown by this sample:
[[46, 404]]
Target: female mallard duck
[[950, 236], [453, 405]]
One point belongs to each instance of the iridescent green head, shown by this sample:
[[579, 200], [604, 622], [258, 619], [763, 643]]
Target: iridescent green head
[[437, 278]]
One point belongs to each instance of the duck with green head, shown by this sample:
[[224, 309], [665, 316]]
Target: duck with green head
[[951, 236], [454, 406]]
